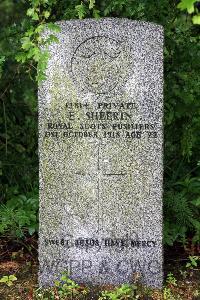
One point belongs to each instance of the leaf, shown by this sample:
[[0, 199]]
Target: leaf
[[39, 28], [9, 283], [81, 11], [35, 16], [96, 13], [46, 14], [36, 54], [4, 279], [2, 60], [12, 277], [63, 278], [196, 224], [31, 230], [54, 27], [188, 265], [187, 4], [22, 197], [41, 66], [107, 10], [91, 4], [20, 148], [196, 202], [194, 263], [52, 38], [30, 32], [196, 20], [57, 283], [30, 12], [26, 43], [20, 57]]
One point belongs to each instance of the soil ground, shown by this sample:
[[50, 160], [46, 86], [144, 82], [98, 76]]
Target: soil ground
[[20, 258]]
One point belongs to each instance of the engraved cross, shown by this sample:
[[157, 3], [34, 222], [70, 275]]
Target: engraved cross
[[99, 174]]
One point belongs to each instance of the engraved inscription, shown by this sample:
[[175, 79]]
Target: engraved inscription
[[104, 63]]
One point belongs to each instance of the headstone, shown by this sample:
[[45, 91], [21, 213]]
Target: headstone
[[100, 149]]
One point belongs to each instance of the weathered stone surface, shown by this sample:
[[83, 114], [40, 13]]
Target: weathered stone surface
[[100, 148]]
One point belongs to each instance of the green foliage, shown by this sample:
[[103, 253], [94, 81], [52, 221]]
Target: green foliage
[[196, 19], [8, 280], [125, 291], [167, 291], [193, 262], [81, 10], [19, 215], [32, 43], [66, 289], [181, 208], [167, 294], [187, 4], [63, 289], [23, 60], [192, 7], [171, 279], [2, 60]]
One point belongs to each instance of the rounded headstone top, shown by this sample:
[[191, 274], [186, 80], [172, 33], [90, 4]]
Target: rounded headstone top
[[116, 21]]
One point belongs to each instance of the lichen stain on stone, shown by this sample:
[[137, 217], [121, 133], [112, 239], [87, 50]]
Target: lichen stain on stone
[[63, 91], [62, 152]]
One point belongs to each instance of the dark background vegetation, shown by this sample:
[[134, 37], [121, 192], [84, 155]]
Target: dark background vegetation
[[22, 65]]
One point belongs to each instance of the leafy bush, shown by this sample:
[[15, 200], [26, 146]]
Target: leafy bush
[[181, 208], [19, 215]]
